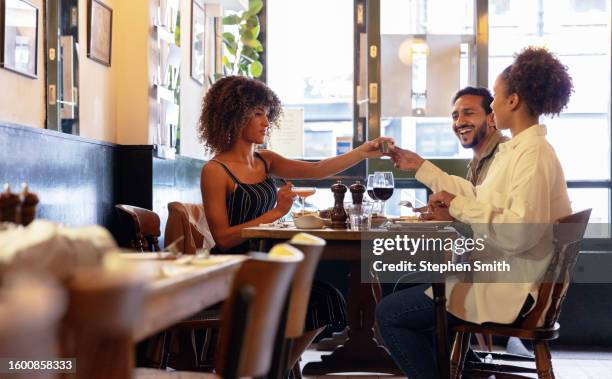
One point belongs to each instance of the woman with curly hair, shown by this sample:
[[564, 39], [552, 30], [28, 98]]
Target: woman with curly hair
[[523, 194], [237, 186]]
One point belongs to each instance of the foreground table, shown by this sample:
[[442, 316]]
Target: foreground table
[[361, 352], [110, 312]]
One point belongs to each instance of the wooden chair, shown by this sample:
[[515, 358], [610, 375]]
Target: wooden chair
[[247, 338], [292, 340], [188, 221], [139, 228], [540, 324]]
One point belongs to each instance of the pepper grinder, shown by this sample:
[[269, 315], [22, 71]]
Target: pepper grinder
[[338, 214], [357, 190], [29, 200], [9, 202]]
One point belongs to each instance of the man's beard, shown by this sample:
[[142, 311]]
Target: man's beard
[[479, 134]]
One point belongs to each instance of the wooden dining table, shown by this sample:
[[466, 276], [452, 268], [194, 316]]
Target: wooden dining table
[[109, 313], [360, 352]]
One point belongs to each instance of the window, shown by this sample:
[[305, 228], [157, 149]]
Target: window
[[427, 54], [310, 66], [578, 32]]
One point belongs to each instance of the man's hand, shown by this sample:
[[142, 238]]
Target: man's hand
[[440, 199], [439, 213], [405, 159]]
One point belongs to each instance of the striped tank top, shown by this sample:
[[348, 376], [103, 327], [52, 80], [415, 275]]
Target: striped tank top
[[248, 202]]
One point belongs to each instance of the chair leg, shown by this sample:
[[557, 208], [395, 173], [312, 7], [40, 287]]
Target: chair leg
[[296, 371], [543, 360], [461, 345]]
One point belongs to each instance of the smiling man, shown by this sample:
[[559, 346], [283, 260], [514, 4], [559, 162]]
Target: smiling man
[[474, 125]]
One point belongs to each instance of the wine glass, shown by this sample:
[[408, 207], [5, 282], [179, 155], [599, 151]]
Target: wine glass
[[370, 190], [383, 187], [303, 193]]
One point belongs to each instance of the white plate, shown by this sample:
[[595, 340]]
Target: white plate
[[419, 224]]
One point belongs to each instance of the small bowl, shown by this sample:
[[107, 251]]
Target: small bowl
[[309, 222], [377, 222]]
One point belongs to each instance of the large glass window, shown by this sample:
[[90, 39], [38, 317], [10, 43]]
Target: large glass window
[[578, 32], [310, 66], [427, 55]]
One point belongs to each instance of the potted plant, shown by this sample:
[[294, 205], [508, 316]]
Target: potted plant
[[242, 48]]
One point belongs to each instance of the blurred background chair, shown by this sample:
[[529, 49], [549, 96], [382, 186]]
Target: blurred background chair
[[138, 228], [247, 337], [189, 221], [540, 324], [293, 340]]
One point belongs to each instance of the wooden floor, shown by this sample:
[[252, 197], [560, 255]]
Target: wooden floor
[[567, 364]]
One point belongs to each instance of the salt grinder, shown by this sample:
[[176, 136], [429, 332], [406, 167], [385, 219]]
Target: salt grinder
[[338, 214]]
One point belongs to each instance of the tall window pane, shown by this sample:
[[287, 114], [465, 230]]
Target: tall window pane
[[427, 54], [578, 32], [310, 66]]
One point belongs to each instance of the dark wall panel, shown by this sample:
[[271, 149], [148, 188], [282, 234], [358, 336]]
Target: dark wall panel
[[74, 177]]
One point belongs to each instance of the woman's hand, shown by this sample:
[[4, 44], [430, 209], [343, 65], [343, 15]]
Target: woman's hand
[[284, 199], [371, 149], [440, 199], [405, 159]]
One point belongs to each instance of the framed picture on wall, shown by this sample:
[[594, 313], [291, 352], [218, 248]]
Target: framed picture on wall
[[99, 32], [198, 42], [19, 37]]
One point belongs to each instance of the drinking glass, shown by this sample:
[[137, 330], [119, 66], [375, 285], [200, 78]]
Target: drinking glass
[[360, 216], [383, 187], [303, 193]]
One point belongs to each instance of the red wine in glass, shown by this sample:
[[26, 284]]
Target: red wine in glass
[[371, 194], [383, 193]]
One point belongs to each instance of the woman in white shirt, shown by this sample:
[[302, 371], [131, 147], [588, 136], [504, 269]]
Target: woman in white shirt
[[524, 193]]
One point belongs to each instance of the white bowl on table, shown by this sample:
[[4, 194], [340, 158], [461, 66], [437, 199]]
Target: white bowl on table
[[310, 221]]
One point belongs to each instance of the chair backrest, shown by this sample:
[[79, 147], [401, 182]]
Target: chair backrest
[[269, 279], [189, 221], [140, 227], [312, 248], [568, 232]]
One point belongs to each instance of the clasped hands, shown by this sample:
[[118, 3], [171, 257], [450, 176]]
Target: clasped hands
[[437, 206]]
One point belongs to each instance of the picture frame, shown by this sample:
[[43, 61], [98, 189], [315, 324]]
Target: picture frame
[[198, 41], [99, 32], [19, 37]]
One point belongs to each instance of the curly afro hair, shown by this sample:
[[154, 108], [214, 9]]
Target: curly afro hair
[[228, 106], [540, 80]]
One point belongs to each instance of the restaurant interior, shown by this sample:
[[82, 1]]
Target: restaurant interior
[[106, 269]]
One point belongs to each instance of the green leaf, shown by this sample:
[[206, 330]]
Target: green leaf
[[252, 21], [226, 62], [254, 6], [229, 37], [231, 47], [246, 35], [255, 44], [256, 69], [250, 52], [232, 20]]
